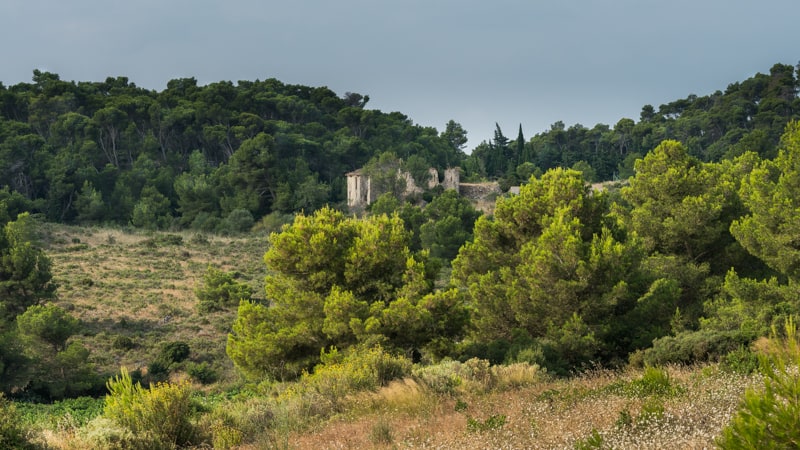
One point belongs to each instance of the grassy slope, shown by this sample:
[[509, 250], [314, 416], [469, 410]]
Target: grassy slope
[[141, 286]]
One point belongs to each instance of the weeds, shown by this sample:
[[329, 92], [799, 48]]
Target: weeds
[[381, 433], [492, 422]]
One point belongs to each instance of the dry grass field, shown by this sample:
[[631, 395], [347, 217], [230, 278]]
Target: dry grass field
[[141, 286], [547, 414]]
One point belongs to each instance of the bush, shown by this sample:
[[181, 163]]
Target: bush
[[442, 378], [202, 372], [163, 240], [273, 222], [694, 346], [12, 433], [220, 290], [474, 375], [122, 343], [158, 416], [359, 370], [104, 434], [172, 352], [492, 422], [741, 360], [238, 221], [767, 418], [654, 382]]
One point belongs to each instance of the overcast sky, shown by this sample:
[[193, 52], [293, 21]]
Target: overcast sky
[[476, 62]]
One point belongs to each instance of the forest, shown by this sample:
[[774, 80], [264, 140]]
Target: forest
[[687, 256], [210, 157]]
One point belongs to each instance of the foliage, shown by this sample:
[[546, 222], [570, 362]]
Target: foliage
[[767, 417], [694, 346], [25, 275], [110, 151], [360, 369], [78, 411], [158, 417], [13, 435], [492, 422], [203, 372], [593, 441], [175, 351], [741, 360], [553, 265], [654, 381], [338, 281], [770, 193], [220, 290], [450, 221], [47, 323], [51, 366]]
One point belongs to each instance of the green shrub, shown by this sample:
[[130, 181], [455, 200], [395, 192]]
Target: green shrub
[[163, 240], [273, 222], [593, 441], [157, 370], [652, 411], [442, 378], [741, 360], [220, 290], [654, 382], [172, 352], [492, 422], [694, 346], [158, 416], [79, 411], [122, 343], [202, 372], [238, 221], [358, 370], [624, 419], [12, 434], [768, 417]]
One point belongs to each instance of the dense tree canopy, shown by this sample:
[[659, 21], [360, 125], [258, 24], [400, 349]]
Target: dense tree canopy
[[695, 256], [339, 281], [190, 155]]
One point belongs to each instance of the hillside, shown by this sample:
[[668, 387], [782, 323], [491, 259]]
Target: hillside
[[219, 156], [141, 286]]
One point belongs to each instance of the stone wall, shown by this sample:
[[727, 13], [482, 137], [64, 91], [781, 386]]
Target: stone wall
[[359, 190], [479, 191], [360, 193], [452, 178]]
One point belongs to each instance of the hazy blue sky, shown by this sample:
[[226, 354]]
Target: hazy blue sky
[[529, 62]]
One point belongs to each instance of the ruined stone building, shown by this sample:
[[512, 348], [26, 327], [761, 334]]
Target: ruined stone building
[[360, 193]]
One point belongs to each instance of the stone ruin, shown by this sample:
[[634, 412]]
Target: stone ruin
[[360, 193]]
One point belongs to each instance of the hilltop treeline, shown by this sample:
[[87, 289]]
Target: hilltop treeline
[[191, 155], [748, 115], [220, 156]]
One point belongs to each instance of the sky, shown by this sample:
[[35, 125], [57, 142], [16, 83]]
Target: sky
[[507, 62]]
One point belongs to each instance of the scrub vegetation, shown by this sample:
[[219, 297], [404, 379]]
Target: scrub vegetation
[[235, 304]]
